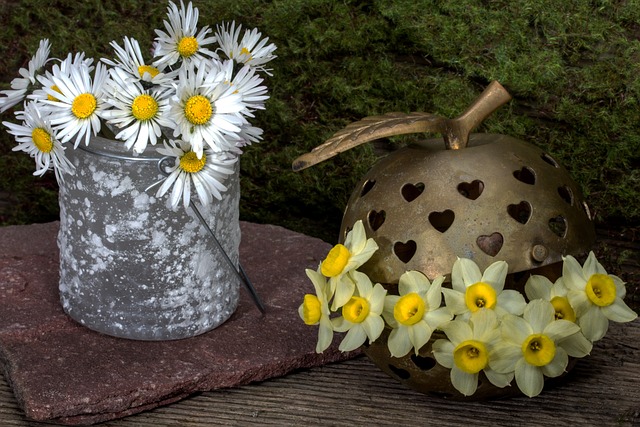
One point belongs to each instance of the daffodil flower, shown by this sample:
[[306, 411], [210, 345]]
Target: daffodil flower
[[361, 315], [540, 287], [536, 345], [343, 259], [596, 296], [315, 310], [415, 313], [473, 290], [467, 351]]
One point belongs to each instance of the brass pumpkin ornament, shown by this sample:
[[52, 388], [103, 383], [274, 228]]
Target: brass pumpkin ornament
[[486, 197]]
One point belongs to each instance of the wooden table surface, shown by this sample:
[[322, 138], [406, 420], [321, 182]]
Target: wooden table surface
[[602, 390]]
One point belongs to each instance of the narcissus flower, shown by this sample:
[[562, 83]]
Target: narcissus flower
[[536, 345], [314, 310], [361, 315], [467, 351], [540, 287], [596, 296], [473, 290], [343, 259], [415, 313]]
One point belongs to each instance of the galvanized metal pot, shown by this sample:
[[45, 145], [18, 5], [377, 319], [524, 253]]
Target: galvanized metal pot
[[132, 267]]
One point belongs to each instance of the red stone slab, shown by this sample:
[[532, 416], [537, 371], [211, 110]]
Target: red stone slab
[[63, 372]]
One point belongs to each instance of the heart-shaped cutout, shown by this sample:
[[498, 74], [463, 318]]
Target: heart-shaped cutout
[[424, 363], [471, 190], [410, 192], [376, 219], [520, 212], [558, 225], [491, 244], [405, 251], [441, 221], [367, 187], [526, 175]]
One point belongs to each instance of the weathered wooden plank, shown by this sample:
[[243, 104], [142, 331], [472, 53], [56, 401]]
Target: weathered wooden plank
[[603, 389]]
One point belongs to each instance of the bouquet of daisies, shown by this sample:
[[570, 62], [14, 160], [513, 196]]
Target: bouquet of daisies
[[200, 89]]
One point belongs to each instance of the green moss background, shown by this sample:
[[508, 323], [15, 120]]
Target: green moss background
[[571, 66]]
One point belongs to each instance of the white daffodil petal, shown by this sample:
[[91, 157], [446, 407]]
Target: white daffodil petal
[[529, 379], [325, 335], [572, 274], [443, 352], [470, 271], [399, 343], [594, 324], [503, 358], [495, 275], [458, 331], [512, 301], [354, 339], [576, 345], [619, 312], [419, 335], [539, 313], [454, 301], [538, 287], [463, 382], [497, 379], [558, 365], [560, 329]]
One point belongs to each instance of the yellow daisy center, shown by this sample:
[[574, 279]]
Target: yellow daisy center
[[311, 311], [245, 51], [563, 309], [471, 356], [601, 290], [480, 295], [538, 350], [190, 162], [52, 98], [84, 105], [187, 46], [42, 140], [409, 309], [336, 260], [153, 71], [144, 107], [198, 110], [356, 310]]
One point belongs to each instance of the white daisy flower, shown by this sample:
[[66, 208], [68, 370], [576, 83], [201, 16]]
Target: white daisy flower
[[245, 82], [64, 67], [180, 42], [130, 60], [20, 85], [206, 110], [36, 138], [474, 290], [79, 102], [251, 50], [138, 112], [248, 135], [207, 173]]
